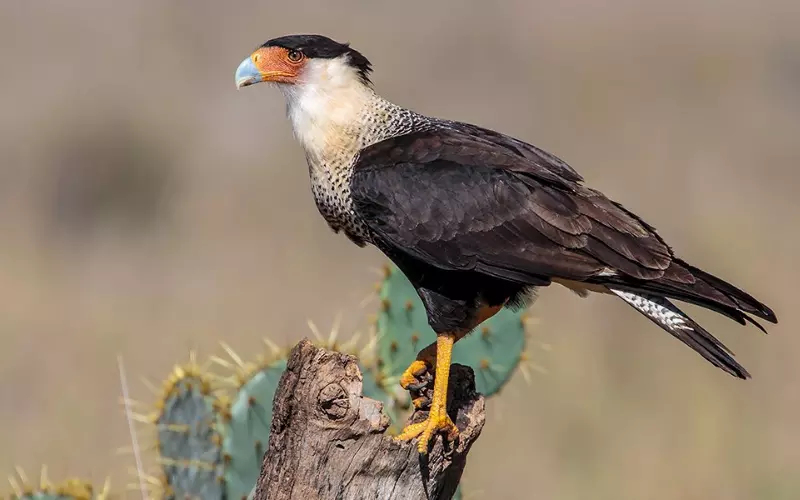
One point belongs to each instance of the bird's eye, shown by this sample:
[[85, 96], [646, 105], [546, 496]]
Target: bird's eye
[[295, 55]]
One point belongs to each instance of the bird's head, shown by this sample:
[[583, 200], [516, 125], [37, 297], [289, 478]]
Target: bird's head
[[297, 60]]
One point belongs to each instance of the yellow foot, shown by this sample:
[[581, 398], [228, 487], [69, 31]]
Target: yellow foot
[[410, 379], [436, 422], [421, 402]]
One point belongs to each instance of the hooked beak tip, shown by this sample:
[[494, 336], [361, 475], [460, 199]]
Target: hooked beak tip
[[247, 74], [244, 82]]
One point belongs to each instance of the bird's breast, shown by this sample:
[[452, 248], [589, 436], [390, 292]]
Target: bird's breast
[[330, 186]]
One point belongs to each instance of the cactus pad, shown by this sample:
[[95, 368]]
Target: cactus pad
[[71, 489], [211, 444], [244, 426], [188, 443], [493, 350]]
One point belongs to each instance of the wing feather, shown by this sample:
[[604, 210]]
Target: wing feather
[[464, 198]]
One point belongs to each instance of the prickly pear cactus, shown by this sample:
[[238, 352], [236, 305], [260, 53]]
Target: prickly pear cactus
[[189, 447], [244, 421], [211, 442], [493, 350], [71, 489], [244, 425]]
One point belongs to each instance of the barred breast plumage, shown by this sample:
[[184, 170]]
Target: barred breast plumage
[[331, 159]]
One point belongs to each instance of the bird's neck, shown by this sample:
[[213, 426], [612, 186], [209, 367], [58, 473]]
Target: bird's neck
[[333, 122]]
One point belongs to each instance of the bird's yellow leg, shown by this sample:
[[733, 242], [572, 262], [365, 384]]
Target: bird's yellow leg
[[438, 420], [426, 358]]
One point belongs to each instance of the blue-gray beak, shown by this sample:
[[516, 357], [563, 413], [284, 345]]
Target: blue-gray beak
[[247, 74]]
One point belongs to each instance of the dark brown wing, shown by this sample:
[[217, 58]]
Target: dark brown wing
[[463, 198]]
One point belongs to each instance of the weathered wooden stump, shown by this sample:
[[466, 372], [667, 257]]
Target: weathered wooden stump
[[328, 442]]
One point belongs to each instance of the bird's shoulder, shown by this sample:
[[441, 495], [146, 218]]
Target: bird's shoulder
[[474, 198], [470, 146]]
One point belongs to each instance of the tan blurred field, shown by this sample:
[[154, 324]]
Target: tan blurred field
[[148, 208]]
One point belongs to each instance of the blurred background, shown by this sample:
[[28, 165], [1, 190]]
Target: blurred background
[[148, 208]]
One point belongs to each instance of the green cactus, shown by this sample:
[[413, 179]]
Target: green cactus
[[71, 489], [188, 444], [211, 446], [493, 351], [244, 425]]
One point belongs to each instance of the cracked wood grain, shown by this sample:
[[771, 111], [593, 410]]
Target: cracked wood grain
[[328, 442]]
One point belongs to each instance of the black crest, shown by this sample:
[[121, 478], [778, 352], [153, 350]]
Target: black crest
[[322, 47]]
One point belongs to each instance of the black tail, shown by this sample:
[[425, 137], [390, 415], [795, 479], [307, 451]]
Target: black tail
[[735, 297], [663, 313], [701, 288]]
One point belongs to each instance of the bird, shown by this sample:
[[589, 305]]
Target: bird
[[477, 220]]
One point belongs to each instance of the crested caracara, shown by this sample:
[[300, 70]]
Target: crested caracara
[[474, 218]]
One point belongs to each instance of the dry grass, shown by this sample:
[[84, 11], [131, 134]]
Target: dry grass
[[687, 113]]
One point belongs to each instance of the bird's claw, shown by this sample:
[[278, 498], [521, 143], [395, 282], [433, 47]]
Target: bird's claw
[[437, 422], [417, 376], [421, 402], [418, 386]]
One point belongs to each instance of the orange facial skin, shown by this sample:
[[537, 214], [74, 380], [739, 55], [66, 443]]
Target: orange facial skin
[[277, 64]]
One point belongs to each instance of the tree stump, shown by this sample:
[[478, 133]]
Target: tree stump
[[328, 442]]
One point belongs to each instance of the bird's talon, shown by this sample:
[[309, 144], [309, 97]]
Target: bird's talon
[[411, 379], [421, 403], [411, 431], [416, 387], [438, 422]]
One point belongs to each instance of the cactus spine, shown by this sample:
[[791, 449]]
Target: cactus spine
[[188, 444], [71, 489], [210, 440]]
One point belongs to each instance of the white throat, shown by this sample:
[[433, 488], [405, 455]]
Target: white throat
[[327, 107]]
